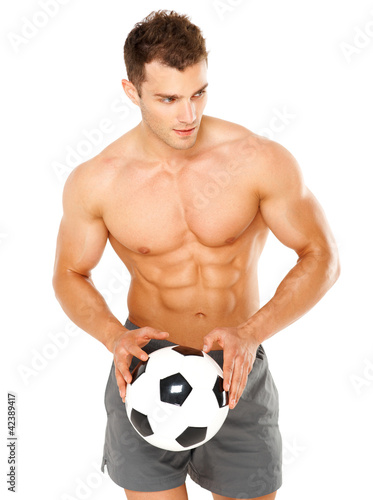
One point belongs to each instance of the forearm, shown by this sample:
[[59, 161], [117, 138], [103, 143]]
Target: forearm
[[86, 307], [299, 291]]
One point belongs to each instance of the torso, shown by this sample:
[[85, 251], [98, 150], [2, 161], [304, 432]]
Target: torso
[[190, 236]]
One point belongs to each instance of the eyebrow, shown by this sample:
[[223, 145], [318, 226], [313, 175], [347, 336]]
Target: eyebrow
[[175, 96]]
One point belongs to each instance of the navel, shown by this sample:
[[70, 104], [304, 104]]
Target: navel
[[200, 315]]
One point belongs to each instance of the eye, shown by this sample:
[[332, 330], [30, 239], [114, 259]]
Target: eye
[[170, 100], [200, 94]]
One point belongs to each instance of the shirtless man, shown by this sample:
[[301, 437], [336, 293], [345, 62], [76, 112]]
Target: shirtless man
[[187, 202]]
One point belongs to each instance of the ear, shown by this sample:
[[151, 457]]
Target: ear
[[131, 91]]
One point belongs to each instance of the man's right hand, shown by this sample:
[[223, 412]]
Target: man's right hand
[[127, 345]]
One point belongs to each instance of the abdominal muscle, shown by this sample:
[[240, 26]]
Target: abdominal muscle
[[193, 300]]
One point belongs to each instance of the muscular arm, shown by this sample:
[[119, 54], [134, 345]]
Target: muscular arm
[[297, 220], [81, 241], [295, 217]]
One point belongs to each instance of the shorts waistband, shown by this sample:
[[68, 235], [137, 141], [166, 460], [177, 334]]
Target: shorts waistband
[[155, 344]]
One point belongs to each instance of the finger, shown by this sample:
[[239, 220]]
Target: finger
[[122, 366], [135, 350], [242, 386], [209, 339], [236, 382], [151, 333], [122, 386], [228, 367], [144, 337], [161, 335]]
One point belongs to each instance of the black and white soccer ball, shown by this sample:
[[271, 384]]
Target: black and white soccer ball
[[176, 399]]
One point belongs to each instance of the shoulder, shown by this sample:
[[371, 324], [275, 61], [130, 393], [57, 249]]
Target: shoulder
[[272, 165], [278, 170], [269, 166], [89, 183], [225, 132], [236, 140], [239, 140]]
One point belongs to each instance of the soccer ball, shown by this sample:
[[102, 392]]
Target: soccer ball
[[176, 399]]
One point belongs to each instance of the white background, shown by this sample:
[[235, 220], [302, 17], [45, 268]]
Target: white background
[[61, 78]]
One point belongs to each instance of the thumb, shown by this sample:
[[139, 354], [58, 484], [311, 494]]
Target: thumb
[[209, 339]]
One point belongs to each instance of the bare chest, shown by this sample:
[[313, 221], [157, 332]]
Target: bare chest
[[159, 213]]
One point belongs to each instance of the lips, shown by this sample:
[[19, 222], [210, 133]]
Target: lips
[[185, 132]]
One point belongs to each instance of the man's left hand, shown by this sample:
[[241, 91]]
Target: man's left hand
[[239, 348]]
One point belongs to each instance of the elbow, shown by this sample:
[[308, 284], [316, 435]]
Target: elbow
[[59, 281], [338, 268], [334, 272], [56, 284], [333, 266], [63, 277], [325, 262]]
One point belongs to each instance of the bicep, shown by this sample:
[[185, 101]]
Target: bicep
[[82, 234], [289, 208]]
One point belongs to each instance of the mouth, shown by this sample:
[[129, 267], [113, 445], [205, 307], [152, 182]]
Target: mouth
[[185, 132]]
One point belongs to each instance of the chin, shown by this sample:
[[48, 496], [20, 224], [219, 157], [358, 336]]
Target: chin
[[183, 143], [184, 146]]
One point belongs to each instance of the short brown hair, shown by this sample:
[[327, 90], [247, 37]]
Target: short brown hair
[[165, 36]]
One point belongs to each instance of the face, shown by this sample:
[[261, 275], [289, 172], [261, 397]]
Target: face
[[172, 103]]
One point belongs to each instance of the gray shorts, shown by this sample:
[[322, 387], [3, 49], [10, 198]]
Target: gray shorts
[[243, 460]]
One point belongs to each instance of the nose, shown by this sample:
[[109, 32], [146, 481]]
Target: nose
[[187, 113]]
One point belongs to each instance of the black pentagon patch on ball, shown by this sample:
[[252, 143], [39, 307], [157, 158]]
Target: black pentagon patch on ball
[[220, 394], [192, 436], [139, 370], [187, 351], [141, 423], [174, 389]]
